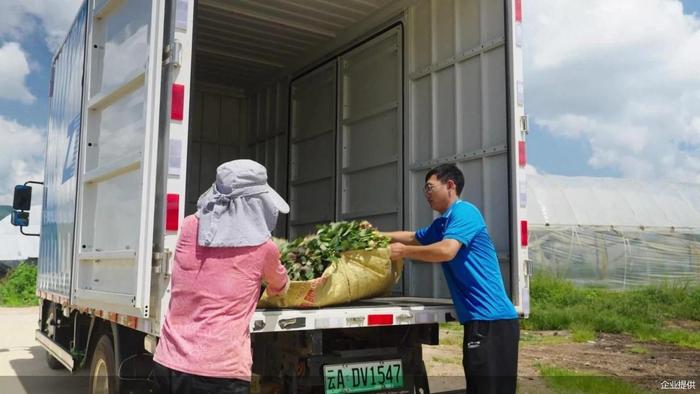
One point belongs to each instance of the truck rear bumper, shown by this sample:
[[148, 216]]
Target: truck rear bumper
[[391, 311]]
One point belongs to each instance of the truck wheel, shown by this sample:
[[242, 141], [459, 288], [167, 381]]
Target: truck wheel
[[52, 362], [103, 372]]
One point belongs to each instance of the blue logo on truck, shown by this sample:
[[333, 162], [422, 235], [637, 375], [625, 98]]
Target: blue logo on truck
[[71, 160]]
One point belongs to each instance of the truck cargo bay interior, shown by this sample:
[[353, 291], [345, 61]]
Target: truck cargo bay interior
[[349, 104]]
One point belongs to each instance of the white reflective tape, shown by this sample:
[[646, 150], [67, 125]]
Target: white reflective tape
[[520, 93], [423, 318], [328, 322], [523, 193], [175, 157]]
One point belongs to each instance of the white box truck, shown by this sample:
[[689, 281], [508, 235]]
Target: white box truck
[[347, 103]]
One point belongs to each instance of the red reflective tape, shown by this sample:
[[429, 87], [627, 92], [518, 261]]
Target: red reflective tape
[[523, 232], [172, 214], [177, 107], [518, 10], [378, 320], [522, 157]]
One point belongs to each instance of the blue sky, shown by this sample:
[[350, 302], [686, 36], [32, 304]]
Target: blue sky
[[579, 125], [553, 154], [612, 88], [691, 6], [30, 32], [38, 83]]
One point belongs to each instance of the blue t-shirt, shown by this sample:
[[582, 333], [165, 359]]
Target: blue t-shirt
[[473, 276]]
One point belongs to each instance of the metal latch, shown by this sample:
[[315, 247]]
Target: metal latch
[[524, 124], [355, 320], [528, 267], [403, 319], [288, 324], [258, 325], [171, 54]]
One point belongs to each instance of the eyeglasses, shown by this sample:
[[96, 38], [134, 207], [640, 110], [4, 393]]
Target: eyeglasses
[[428, 188]]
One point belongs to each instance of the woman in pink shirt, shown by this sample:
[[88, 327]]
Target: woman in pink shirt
[[223, 254]]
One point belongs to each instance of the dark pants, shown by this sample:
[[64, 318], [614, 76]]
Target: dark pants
[[170, 381], [490, 354]]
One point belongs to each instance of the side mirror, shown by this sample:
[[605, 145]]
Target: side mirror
[[23, 198], [20, 219]]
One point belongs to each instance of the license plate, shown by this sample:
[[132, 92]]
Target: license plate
[[362, 377]]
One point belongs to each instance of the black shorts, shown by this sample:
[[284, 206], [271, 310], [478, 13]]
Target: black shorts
[[490, 354], [170, 381]]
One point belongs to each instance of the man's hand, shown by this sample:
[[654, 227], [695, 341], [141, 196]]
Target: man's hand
[[404, 237], [439, 252], [397, 250]]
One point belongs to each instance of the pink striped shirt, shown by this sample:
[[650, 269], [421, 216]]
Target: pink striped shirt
[[214, 292]]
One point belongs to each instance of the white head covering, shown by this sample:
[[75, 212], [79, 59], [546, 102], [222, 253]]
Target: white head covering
[[240, 208]]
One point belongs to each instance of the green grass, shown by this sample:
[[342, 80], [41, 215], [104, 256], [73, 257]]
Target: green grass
[[19, 286], [638, 350], [582, 333], [690, 339], [452, 326], [451, 334], [557, 304], [570, 382], [447, 360], [535, 338]]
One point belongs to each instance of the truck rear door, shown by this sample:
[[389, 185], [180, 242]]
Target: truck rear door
[[119, 155]]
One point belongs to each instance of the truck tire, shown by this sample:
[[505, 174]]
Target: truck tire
[[52, 362], [103, 371]]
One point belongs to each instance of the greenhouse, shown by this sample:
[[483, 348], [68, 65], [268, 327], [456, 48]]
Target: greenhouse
[[614, 232]]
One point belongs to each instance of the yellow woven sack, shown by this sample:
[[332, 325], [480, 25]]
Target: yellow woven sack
[[355, 276]]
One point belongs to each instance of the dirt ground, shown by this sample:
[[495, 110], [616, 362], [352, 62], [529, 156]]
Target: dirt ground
[[644, 364]]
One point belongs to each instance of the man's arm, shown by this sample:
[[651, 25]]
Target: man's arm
[[438, 252], [404, 237]]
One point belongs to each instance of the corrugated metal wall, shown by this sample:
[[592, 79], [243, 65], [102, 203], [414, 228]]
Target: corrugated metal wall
[[227, 125], [370, 125], [457, 113], [313, 150], [266, 137], [60, 181], [217, 129]]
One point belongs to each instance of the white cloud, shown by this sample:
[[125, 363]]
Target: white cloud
[[22, 152], [622, 75], [531, 170], [14, 68], [18, 18]]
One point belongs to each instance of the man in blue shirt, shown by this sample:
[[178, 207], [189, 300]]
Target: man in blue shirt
[[460, 242]]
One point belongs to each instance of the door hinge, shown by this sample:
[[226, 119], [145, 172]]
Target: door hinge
[[171, 54], [161, 262]]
